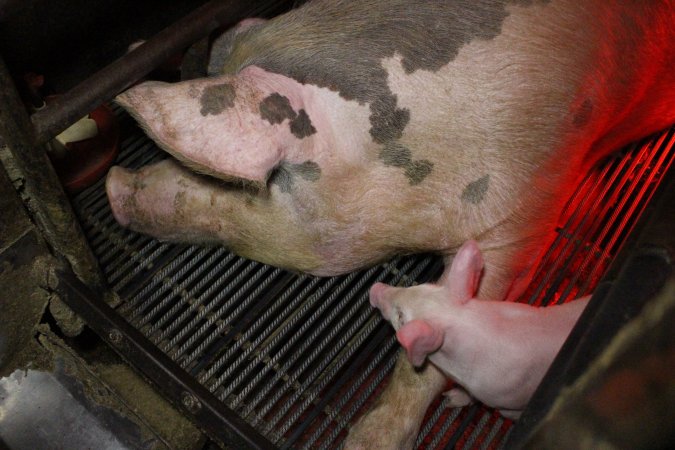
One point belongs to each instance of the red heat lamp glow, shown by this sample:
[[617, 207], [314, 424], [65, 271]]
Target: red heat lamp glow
[[593, 226], [598, 218]]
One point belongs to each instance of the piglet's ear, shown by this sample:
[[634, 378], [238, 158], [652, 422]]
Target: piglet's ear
[[377, 294], [419, 338], [463, 275]]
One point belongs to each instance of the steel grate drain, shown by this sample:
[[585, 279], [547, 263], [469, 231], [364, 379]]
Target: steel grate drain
[[298, 357]]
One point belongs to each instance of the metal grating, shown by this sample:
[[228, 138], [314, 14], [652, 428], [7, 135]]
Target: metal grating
[[299, 357]]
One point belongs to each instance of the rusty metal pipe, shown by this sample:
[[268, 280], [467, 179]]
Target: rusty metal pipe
[[114, 78], [44, 195]]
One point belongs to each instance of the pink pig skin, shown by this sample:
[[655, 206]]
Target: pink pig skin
[[497, 351]]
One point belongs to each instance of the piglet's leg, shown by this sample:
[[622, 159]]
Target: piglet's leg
[[170, 202], [395, 420], [458, 397]]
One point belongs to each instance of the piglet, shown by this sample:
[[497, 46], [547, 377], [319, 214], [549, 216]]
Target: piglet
[[497, 351]]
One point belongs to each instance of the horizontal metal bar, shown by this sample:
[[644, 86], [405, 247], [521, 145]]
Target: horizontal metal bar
[[111, 80]]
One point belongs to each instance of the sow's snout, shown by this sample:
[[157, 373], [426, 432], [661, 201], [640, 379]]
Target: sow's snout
[[119, 188]]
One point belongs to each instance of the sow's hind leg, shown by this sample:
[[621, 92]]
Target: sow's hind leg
[[173, 203], [396, 418]]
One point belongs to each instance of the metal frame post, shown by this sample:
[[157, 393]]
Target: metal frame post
[[45, 196]]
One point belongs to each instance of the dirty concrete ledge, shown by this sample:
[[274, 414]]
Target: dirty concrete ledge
[[59, 389]]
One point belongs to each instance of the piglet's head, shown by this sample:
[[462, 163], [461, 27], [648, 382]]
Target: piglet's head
[[416, 312]]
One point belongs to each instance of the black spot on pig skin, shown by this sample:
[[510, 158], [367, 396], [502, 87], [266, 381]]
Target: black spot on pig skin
[[301, 126], [398, 155], [217, 98], [286, 173], [418, 170], [583, 115], [386, 120], [283, 178], [275, 108], [395, 154], [475, 191], [341, 45]]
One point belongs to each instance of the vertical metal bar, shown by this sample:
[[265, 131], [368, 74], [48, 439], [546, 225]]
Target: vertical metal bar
[[46, 198]]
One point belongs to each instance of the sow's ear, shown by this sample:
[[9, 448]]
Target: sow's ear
[[419, 338], [219, 126], [463, 275]]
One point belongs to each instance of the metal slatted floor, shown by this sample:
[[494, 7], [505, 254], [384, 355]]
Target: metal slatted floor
[[299, 357]]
